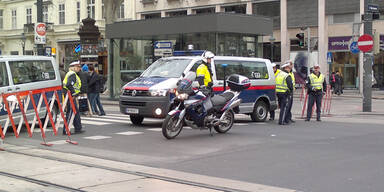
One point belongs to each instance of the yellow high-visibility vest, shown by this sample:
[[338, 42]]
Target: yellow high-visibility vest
[[281, 82], [202, 70], [77, 84], [293, 79], [317, 82], [277, 72]]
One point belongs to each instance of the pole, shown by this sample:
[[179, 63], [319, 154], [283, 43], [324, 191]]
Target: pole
[[308, 50], [39, 7], [271, 51], [368, 56]]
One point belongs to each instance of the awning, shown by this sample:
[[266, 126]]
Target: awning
[[220, 22]]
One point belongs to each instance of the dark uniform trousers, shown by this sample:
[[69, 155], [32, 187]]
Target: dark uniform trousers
[[314, 97], [283, 101], [289, 108], [76, 120]]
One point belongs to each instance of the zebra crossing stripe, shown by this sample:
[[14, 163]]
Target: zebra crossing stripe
[[94, 122], [154, 129], [97, 137], [129, 133]]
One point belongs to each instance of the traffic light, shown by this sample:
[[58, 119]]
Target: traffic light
[[300, 36]]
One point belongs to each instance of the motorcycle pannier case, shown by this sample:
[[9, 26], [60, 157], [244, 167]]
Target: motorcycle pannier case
[[238, 82]]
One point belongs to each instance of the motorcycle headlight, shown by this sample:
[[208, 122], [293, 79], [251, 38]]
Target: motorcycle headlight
[[159, 92], [182, 96]]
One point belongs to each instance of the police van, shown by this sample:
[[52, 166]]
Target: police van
[[21, 74], [149, 95]]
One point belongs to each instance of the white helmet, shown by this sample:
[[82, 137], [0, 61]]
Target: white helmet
[[207, 55]]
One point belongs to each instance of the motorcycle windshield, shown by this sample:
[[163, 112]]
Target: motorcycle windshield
[[185, 85]]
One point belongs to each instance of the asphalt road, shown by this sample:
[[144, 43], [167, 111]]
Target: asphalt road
[[341, 153]]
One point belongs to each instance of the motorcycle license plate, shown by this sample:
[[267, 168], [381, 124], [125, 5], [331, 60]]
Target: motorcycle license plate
[[132, 111]]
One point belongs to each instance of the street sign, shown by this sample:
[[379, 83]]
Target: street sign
[[329, 57], [373, 8], [40, 32], [354, 48], [365, 43], [163, 52], [48, 51], [78, 48], [163, 45]]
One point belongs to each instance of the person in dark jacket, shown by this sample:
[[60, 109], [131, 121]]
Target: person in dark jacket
[[338, 83], [94, 87], [316, 86], [84, 76]]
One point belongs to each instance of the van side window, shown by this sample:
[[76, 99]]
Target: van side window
[[31, 71], [250, 69], [3, 75]]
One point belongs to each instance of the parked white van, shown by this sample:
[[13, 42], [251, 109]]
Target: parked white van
[[19, 74]]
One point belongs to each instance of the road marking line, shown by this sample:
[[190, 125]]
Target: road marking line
[[118, 120], [105, 120], [59, 142], [94, 122], [97, 137], [187, 127], [129, 133], [39, 130], [154, 129], [241, 124]]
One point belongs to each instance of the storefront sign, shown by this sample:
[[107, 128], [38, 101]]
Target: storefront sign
[[339, 43], [40, 32]]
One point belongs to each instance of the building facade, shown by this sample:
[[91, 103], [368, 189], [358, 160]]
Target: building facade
[[63, 19]]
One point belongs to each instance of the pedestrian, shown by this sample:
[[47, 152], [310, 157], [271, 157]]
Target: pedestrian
[[332, 81], [338, 83], [316, 87], [284, 87], [276, 70], [290, 96], [95, 85], [83, 99], [72, 83]]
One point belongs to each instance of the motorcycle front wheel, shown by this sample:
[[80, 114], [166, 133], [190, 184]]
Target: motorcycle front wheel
[[227, 123], [169, 128]]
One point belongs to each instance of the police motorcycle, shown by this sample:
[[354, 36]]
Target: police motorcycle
[[197, 109]]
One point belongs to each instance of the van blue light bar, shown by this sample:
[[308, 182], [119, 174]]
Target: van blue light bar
[[188, 53]]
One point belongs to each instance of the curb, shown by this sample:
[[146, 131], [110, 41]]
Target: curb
[[191, 179]]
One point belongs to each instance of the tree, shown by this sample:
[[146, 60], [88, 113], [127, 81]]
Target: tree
[[110, 7]]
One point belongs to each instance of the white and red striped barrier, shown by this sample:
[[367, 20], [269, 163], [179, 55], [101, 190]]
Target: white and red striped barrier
[[24, 99]]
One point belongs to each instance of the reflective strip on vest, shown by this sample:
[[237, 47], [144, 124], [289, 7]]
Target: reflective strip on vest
[[281, 82], [317, 82], [77, 84]]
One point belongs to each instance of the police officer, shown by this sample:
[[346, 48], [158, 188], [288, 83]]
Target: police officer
[[204, 72], [72, 83], [316, 85], [284, 87], [276, 71], [290, 97]]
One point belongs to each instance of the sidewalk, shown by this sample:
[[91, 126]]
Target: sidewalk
[[34, 169]]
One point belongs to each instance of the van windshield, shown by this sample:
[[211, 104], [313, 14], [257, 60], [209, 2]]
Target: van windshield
[[31, 71], [168, 68]]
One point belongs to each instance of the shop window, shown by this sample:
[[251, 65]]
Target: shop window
[[240, 9], [31, 71], [250, 69], [205, 11], [177, 13], [3, 75], [152, 16]]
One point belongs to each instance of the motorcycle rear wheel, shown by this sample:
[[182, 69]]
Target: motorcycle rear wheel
[[225, 127], [169, 129]]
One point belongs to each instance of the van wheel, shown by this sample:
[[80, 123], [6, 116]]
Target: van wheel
[[260, 112], [136, 119]]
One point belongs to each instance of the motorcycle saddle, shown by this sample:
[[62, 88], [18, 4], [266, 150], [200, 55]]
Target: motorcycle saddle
[[222, 99]]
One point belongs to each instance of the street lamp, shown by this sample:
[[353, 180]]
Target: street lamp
[[23, 41], [272, 40]]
